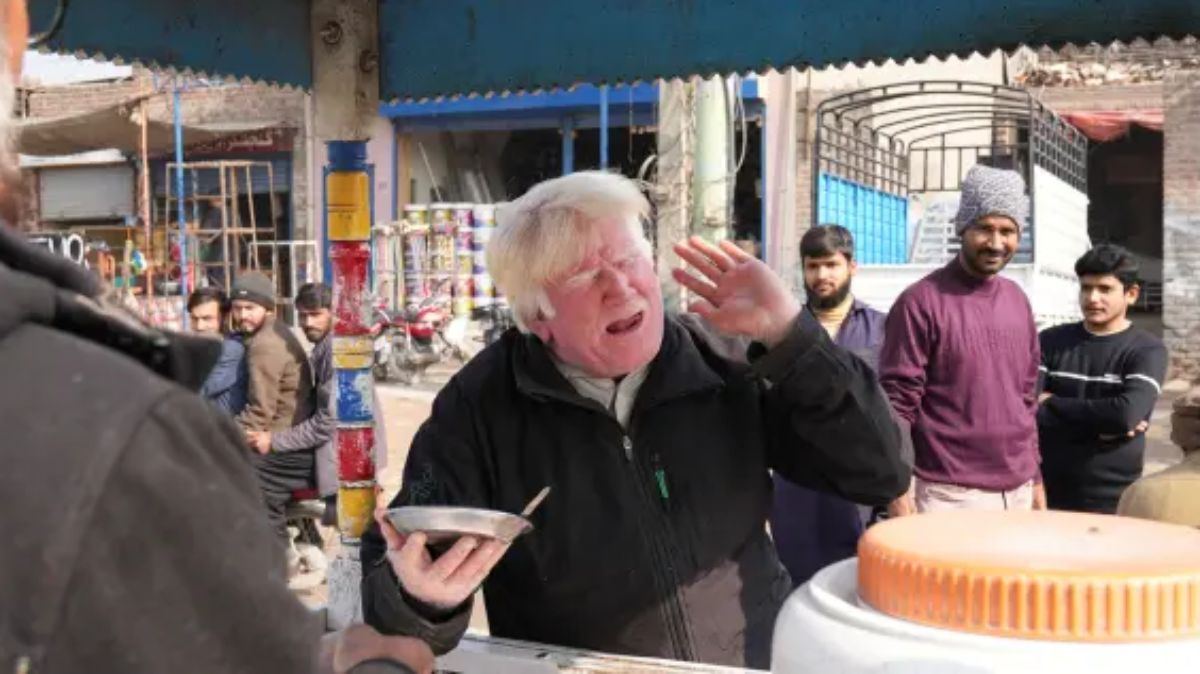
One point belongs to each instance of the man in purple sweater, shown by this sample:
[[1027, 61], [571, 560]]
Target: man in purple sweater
[[960, 364]]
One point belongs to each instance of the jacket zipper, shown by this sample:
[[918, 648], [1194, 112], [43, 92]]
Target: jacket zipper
[[657, 502]]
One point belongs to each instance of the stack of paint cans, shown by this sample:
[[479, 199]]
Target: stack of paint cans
[[415, 255], [463, 259], [441, 254], [484, 225]]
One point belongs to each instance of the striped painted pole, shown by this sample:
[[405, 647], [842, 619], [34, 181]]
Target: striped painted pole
[[348, 222]]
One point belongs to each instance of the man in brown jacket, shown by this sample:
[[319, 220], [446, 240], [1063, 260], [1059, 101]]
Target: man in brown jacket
[[279, 393], [1173, 495]]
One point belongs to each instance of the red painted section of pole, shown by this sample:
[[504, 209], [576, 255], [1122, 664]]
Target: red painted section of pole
[[354, 448]]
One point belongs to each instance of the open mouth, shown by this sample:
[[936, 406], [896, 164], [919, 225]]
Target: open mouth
[[625, 325]]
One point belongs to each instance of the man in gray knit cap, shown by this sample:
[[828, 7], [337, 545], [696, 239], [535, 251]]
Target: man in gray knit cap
[[279, 394], [960, 363]]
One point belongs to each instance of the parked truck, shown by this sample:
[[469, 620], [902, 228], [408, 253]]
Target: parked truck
[[888, 164]]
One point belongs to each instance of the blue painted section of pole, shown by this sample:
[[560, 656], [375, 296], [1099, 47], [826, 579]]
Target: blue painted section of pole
[[346, 155], [568, 145], [184, 274], [604, 126]]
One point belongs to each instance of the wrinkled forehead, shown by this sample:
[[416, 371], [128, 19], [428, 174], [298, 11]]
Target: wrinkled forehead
[[604, 240]]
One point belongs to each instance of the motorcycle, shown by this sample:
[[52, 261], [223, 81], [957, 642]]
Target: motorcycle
[[496, 319], [409, 341]]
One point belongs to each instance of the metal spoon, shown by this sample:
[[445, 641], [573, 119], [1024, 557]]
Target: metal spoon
[[537, 501]]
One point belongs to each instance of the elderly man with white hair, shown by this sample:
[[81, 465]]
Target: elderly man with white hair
[[656, 435]]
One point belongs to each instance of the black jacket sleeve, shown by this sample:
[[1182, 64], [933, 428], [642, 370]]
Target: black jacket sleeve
[[829, 423], [444, 467], [179, 562], [1116, 415]]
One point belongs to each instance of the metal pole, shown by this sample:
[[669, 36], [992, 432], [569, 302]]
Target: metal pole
[[348, 222], [603, 126], [346, 98], [144, 202], [184, 274], [763, 230], [568, 145]]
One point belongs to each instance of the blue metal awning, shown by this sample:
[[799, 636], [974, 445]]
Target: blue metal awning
[[450, 47], [628, 105]]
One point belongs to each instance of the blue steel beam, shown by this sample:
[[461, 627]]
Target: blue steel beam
[[568, 145], [603, 127], [461, 46]]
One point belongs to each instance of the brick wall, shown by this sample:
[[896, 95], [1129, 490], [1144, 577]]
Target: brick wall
[[202, 104], [1147, 96], [1181, 222], [1138, 51], [79, 98], [235, 103]]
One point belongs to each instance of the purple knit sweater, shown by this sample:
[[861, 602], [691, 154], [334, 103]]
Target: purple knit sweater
[[960, 366]]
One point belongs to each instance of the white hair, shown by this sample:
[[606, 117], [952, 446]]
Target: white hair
[[546, 233]]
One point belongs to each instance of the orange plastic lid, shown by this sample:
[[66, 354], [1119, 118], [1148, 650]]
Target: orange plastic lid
[[1035, 575]]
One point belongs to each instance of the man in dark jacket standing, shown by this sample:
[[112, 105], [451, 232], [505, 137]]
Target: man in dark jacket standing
[[315, 434], [811, 528], [654, 434], [280, 393]]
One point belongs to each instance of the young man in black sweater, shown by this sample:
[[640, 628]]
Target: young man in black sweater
[[1099, 381]]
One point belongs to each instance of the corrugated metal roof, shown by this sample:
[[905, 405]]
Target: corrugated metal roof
[[454, 47]]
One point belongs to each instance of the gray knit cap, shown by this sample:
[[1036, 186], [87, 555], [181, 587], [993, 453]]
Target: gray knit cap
[[991, 191], [254, 286]]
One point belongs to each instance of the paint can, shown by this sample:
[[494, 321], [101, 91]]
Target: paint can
[[482, 290], [484, 215], [465, 263], [462, 215], [441, 253], [415, 250], [441, 219], [416, 288], [416, 215]]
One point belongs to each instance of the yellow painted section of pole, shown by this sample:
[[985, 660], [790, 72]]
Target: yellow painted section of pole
[[353, 353], [348, 206], [356, 506]]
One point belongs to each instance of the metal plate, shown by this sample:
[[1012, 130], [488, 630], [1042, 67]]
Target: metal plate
[[445, 524]]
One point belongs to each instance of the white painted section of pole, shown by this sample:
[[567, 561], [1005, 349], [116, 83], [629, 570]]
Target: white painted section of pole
[[344, 606], [712, 184], [672, 191]]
